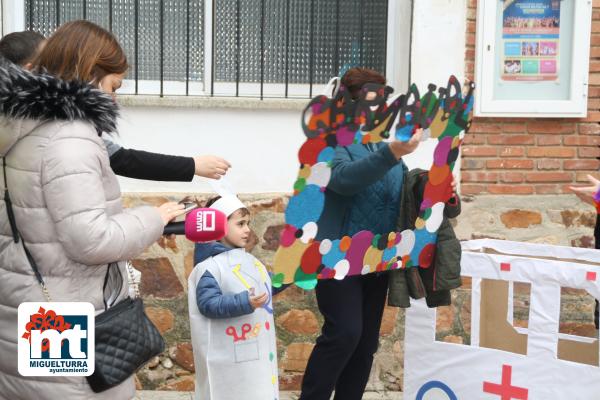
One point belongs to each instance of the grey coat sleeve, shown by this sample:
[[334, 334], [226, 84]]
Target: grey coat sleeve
[[111, 147], [72, 185]]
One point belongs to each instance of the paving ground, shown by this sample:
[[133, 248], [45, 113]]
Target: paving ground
[[156, 395]]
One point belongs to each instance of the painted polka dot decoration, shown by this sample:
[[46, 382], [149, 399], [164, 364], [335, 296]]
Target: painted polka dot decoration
[[327, 122]]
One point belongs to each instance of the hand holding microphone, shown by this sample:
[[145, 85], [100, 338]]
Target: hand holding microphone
[[170, 210]]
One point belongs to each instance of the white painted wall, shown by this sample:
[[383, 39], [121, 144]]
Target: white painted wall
[[438, 51], [13, 16], [263, 145], [398, 44], [439, 35]]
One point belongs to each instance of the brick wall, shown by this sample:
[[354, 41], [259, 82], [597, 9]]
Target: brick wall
[[532, 156]]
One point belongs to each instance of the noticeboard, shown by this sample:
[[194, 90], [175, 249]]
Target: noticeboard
[[532, 58]]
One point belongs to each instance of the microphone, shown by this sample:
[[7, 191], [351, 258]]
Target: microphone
[[200, 225], [175, 228]]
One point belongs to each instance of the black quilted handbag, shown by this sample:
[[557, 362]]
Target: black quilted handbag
[[126, 339]]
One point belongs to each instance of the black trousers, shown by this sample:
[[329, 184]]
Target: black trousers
[[343, 355]]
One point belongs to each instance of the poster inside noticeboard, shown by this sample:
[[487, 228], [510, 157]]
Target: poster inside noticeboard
[[533, 49]]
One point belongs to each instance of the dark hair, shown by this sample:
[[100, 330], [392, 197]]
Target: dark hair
[[20, 47], [213, 200], [356, 77], [81, 50]]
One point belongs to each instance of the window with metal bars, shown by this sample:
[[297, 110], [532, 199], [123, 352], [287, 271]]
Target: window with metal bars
[[263, 48]]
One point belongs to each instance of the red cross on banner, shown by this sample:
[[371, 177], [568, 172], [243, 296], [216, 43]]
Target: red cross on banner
[[505, 390]]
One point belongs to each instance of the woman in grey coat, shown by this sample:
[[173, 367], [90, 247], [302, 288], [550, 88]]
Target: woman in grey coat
[[66, 199]]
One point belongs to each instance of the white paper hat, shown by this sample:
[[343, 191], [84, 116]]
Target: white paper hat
[[229, 202]]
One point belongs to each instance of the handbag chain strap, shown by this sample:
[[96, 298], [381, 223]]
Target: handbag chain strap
[[132, 282], [17, 236]]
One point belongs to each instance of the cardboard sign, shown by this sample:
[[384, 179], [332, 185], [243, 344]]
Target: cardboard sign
[[504, 362], [330, 124]]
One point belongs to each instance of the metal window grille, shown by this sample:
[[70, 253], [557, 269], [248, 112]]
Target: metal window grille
[[282, 44]]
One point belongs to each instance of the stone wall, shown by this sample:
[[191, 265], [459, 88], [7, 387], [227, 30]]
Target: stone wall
[[552, 219], [166, 265]]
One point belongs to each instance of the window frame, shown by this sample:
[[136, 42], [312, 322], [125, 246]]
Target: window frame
[[397, 62]]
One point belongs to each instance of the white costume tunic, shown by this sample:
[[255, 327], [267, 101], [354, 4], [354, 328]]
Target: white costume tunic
[[235, 358]]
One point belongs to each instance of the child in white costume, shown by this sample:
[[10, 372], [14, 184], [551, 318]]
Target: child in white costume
[[231, 315]]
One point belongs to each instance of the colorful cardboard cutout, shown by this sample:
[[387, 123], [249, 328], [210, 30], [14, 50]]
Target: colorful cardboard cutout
[[340, 121], [536, 362]]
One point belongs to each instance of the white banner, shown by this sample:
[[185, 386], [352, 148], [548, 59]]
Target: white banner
[[529, 367]]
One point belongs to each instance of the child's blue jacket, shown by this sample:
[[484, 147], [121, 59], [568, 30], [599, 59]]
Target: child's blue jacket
[[212, 303]]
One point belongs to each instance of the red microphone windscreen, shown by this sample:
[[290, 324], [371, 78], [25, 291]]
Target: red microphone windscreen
[[205, 225]]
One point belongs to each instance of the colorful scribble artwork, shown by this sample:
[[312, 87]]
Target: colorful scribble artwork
[[327, 122]]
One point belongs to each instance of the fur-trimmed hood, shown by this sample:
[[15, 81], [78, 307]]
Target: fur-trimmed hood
[[28, 99]]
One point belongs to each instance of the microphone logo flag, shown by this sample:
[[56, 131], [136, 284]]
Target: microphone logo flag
[[205, 221]]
